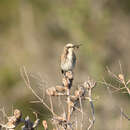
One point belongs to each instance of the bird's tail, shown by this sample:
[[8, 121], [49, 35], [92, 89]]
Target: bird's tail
[[70, 83]]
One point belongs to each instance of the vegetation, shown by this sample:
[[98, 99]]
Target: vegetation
[[33, 33]]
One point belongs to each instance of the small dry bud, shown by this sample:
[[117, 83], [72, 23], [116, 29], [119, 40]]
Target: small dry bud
[[17, 114], [76, 93], [71, 103], [73, 98], [121, 77], [85, 84], [69, 75], [79, 92], [60, 118], [89, 84], [10, 125], [44, 123], [12, 120], [60, 88], [51, 91], [65, 82]]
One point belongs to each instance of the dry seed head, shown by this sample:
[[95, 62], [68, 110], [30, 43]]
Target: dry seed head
[[73, 98], [12, 120], [71, 103], [17, 114], [79, 92], [69, 74], [65, 82], [51, 91], [60, 88], [121, 77], [44, 123], [60, 118], [86, 85], [76, 93], [10, 125], [89, 84]]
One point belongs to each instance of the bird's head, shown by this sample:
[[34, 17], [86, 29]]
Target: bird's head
[[72, 46]]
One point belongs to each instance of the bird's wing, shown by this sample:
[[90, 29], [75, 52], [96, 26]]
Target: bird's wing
[[64, 56], [74, 58]]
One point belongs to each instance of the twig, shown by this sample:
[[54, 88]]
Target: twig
[[91, 105], [81, 107], [121, 119], [91, 124], [51, 104], [128, 90], [68, 103], [76, 124], [120, 79], [60, 104], [124, 115], [113, 75], [28, 85], [92, 111]]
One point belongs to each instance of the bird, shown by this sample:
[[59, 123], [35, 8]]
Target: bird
[[68, 58]]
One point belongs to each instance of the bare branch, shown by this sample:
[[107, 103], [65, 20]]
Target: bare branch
[[28, 85], [124, 115]]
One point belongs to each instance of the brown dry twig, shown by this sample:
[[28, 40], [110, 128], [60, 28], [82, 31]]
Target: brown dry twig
[[89, 85], [124, 115], [121, 79], [25, 77], [64, 121]]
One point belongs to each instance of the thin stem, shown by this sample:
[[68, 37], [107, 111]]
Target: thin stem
[[92, 110], [28, 85], [51, 104], [68, 103], [128, 90], [81, 107]]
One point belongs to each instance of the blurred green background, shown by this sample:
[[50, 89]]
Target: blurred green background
[[34, 32]]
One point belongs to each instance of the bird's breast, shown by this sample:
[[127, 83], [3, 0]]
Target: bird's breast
[[69, 62]]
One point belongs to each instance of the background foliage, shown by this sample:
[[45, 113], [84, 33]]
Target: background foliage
[[33, 33]]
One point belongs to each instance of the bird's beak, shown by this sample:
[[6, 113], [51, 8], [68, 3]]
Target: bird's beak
[[77, 46]]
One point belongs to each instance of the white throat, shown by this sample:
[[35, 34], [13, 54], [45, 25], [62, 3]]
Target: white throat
[[70, 53]]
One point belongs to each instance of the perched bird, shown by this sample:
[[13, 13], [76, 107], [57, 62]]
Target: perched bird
[[68, 58]]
